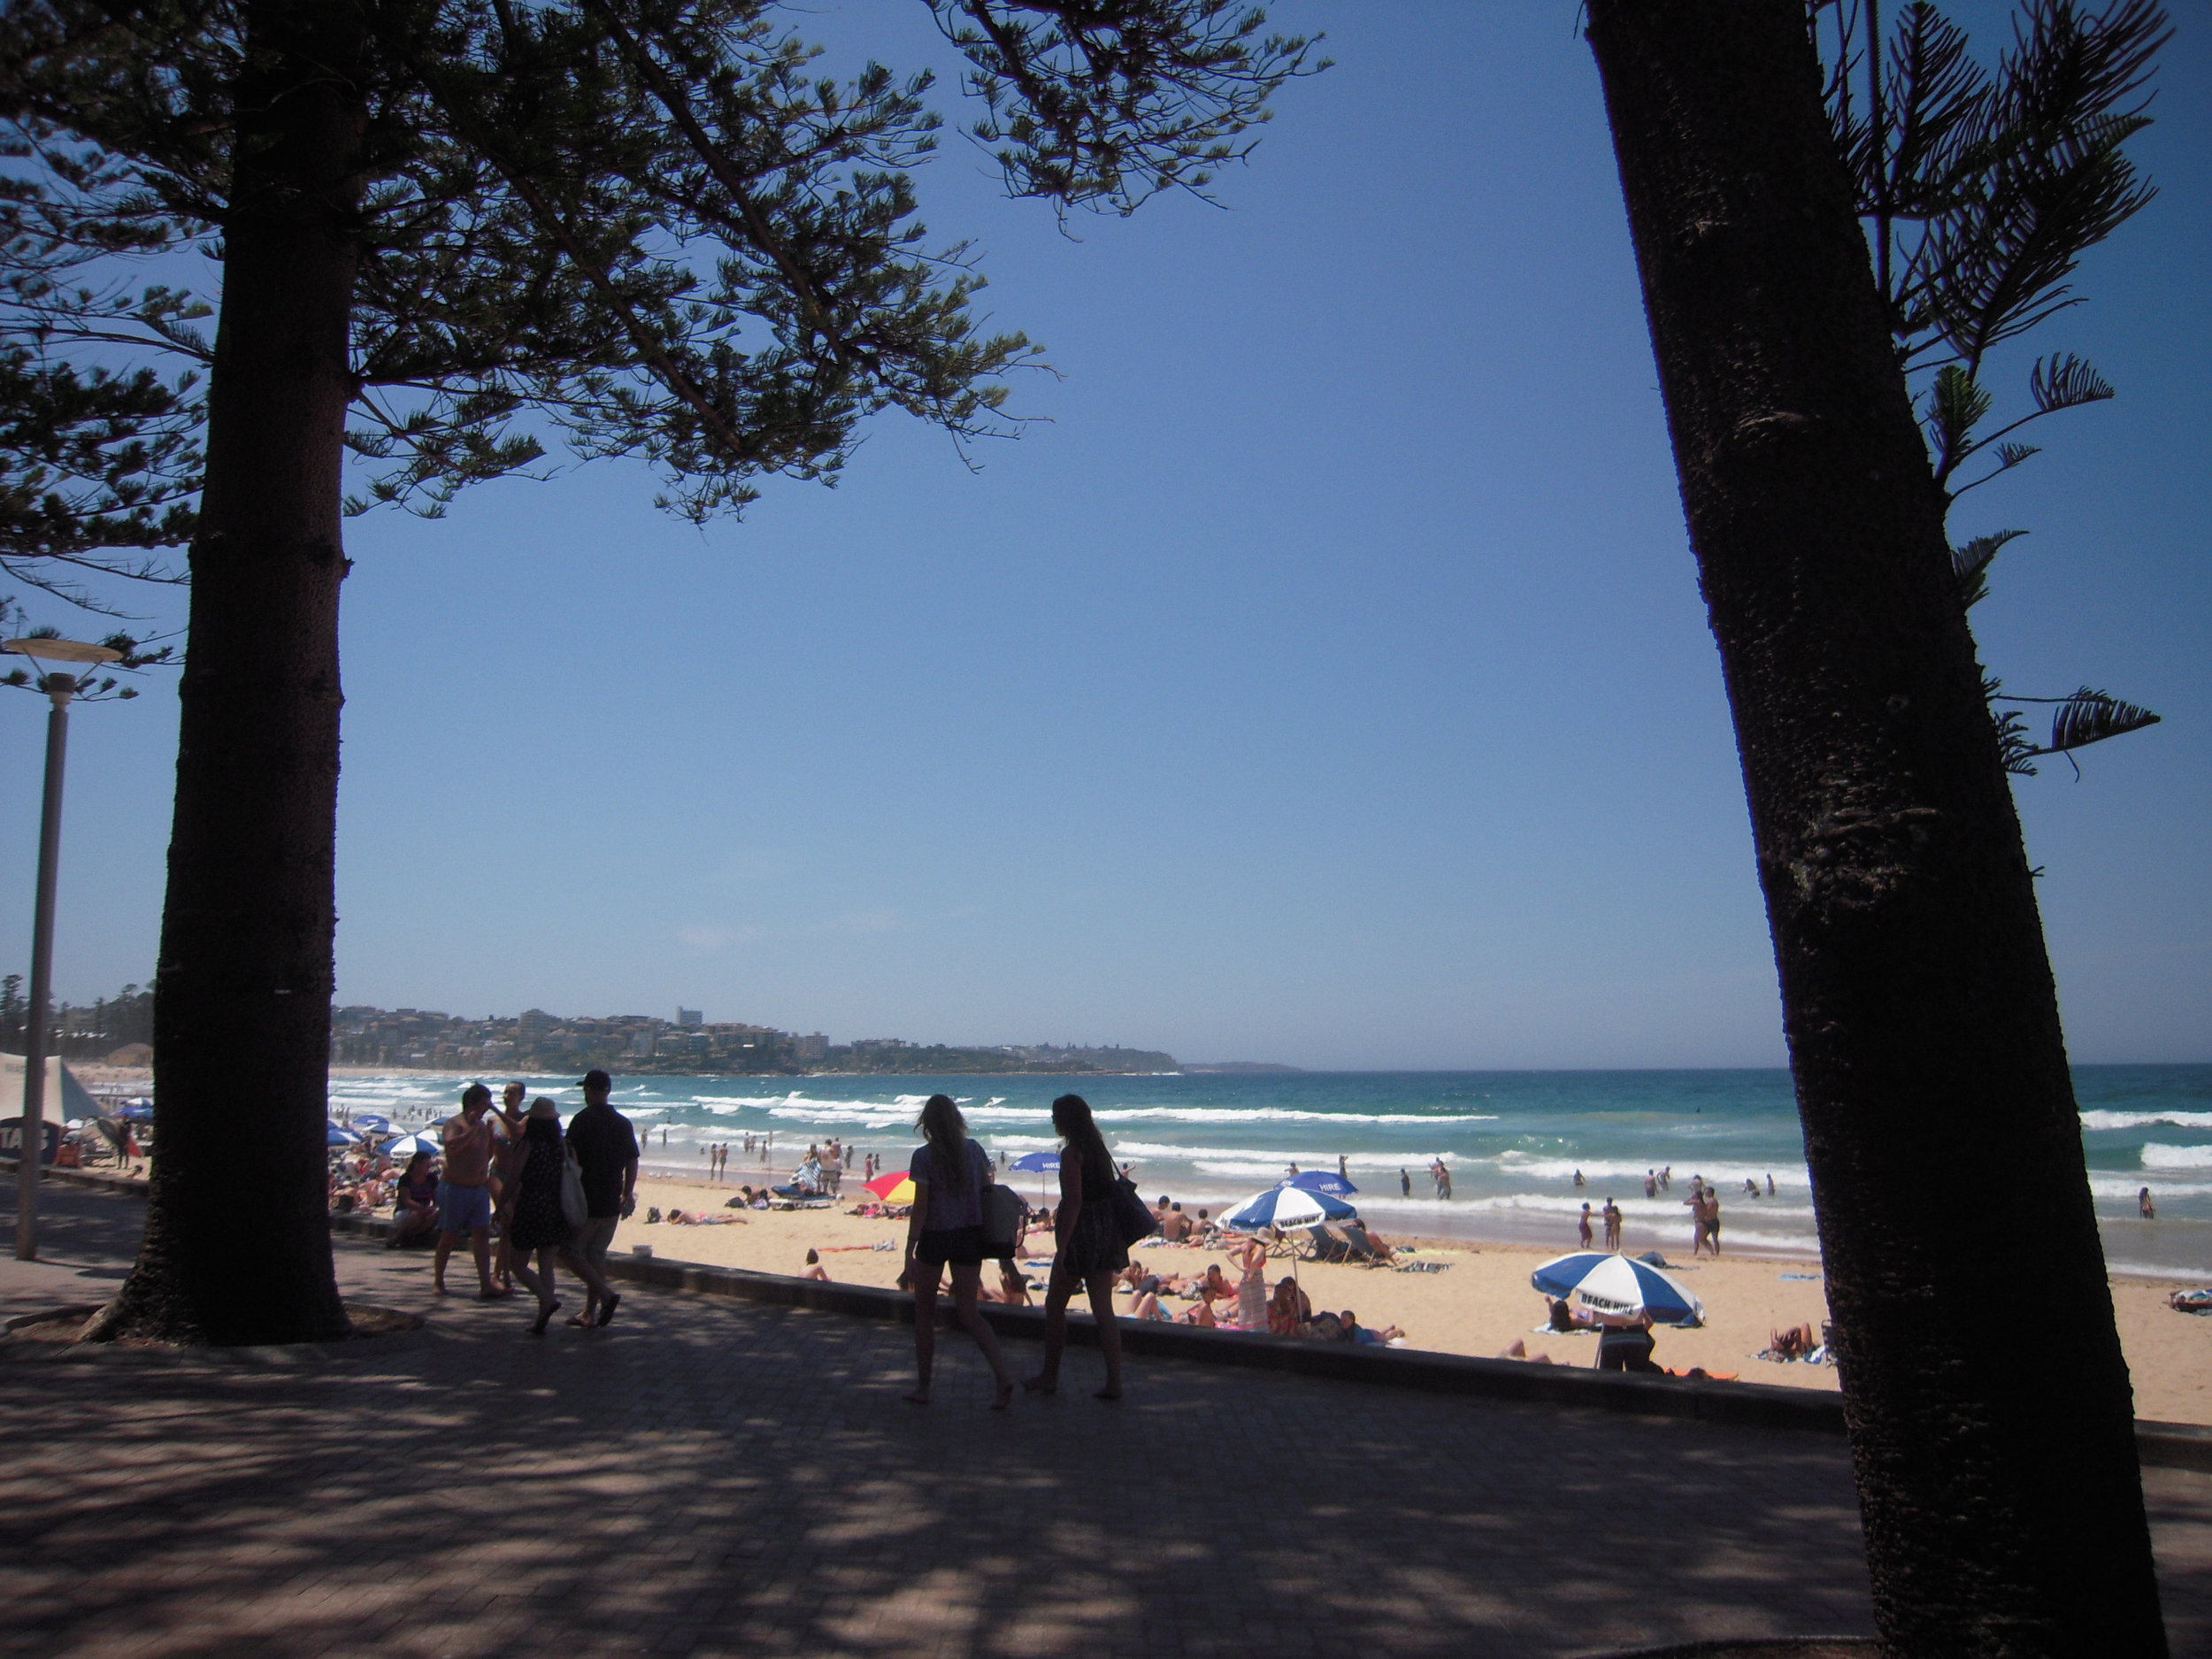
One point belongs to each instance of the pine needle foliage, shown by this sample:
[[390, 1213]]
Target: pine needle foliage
[[642, 227], [1981, 189]]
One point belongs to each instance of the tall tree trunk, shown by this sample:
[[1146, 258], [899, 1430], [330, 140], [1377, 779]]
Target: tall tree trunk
[[237, 1246], [1991, 1424]]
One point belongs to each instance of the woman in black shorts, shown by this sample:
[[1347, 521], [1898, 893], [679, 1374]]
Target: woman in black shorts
[[1089, 1248], [946, 1230]]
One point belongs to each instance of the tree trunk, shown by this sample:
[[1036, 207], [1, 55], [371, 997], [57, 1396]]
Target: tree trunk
[[1991, 1424], [237, 1246]]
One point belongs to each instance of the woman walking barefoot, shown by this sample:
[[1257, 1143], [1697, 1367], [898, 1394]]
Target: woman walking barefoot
[[535, 1226], [1089, 1248], [946, 1230]]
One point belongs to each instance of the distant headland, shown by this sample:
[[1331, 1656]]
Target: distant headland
[[690, 1045]]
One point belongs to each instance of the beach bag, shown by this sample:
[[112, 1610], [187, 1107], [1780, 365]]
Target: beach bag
[[575, 1208], [1002, 1219], [1133, 1218]]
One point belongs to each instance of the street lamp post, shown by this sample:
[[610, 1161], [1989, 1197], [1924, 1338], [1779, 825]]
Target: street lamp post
[[59, 688]]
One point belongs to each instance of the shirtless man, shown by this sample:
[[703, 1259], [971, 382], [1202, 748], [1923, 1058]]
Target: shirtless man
[[507, 1158], [1612, 1225], [464, 1198]]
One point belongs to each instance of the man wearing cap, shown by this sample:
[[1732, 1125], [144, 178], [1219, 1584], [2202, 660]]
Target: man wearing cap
[[606, 1155], [465, 1199]]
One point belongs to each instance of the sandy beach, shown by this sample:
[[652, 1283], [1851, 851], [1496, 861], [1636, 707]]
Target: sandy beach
[[1479, 1304]]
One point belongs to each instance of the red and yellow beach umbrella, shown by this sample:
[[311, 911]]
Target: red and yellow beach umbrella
[[897, 1187]]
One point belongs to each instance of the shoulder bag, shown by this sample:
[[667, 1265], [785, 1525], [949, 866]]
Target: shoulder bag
[[575, 1208], [1133, 1218]]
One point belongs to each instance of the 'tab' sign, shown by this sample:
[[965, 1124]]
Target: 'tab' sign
[[11, 1138]]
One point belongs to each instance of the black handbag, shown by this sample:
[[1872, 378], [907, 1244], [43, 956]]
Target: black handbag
[[1133, 1218]]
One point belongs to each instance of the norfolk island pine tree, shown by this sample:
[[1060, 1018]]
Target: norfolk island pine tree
[[2001, 1497], [447, 228]]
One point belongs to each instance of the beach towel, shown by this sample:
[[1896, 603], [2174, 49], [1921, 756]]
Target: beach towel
[[2190, 1301]]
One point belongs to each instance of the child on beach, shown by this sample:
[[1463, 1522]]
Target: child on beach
[[1582, 1229]]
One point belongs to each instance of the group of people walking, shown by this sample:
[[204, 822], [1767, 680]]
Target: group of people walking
[[946, 1233], [556, 1194]]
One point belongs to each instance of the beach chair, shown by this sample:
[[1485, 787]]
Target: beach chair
[[1322, 1244], [1357, 1248]]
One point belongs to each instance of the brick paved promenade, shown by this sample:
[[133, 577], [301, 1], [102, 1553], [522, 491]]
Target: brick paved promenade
[[721, 1477]]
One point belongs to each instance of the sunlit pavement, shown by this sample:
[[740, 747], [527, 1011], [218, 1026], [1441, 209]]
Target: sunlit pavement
[[710, 1476]]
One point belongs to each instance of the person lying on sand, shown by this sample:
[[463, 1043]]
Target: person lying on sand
[[1794, 1343], [1356, 1332], [1565, 1318], [1145, 1304], [1013, 1288], [1518, 1349]]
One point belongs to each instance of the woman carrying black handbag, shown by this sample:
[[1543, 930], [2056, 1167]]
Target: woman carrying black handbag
[[1090, 1246]]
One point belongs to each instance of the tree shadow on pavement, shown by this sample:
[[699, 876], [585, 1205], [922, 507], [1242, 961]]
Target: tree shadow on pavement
[[719, 1476]]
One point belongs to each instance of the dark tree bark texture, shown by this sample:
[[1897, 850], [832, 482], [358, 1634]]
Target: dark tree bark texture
[[1991, 1424], [237, 1246]]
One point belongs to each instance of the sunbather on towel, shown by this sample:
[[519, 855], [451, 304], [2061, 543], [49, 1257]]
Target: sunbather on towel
[[1354, 1331]]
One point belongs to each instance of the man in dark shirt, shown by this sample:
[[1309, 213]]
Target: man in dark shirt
[[606, 1155]]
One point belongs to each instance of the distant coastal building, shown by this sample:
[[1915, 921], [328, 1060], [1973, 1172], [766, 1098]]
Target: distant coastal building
[[689, 1018]]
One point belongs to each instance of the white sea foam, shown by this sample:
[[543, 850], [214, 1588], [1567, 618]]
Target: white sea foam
[[2103, 1119], [799, 1107], [2158, 1156], [1278, 1115], [2162, 1187], [1526, 1165]]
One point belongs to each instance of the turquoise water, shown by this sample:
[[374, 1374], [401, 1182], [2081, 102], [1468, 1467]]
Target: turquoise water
[[1512, 1140]]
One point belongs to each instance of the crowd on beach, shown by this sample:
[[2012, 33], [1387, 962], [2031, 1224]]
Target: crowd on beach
[[531, 1199], [1704, 1204]]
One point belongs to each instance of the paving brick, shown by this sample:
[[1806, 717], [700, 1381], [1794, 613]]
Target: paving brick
[[717, 1477]]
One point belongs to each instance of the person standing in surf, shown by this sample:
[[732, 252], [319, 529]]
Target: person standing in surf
[[1088, 1250], [945, 1229]]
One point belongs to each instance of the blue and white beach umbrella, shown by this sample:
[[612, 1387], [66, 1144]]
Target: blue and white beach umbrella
[[335, 1136], [1286, 1207], [375, 1122], [136, 1111], [1038, 1163], [1618, 1286], [407, 1145], [1322, 1181]]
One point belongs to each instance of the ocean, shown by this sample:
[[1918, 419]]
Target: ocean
[[1513, 1142]]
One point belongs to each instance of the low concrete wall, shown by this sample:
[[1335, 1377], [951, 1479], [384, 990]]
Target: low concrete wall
[[1756, 1405]]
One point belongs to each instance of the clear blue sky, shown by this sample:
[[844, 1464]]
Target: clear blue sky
[[1322, 679]]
